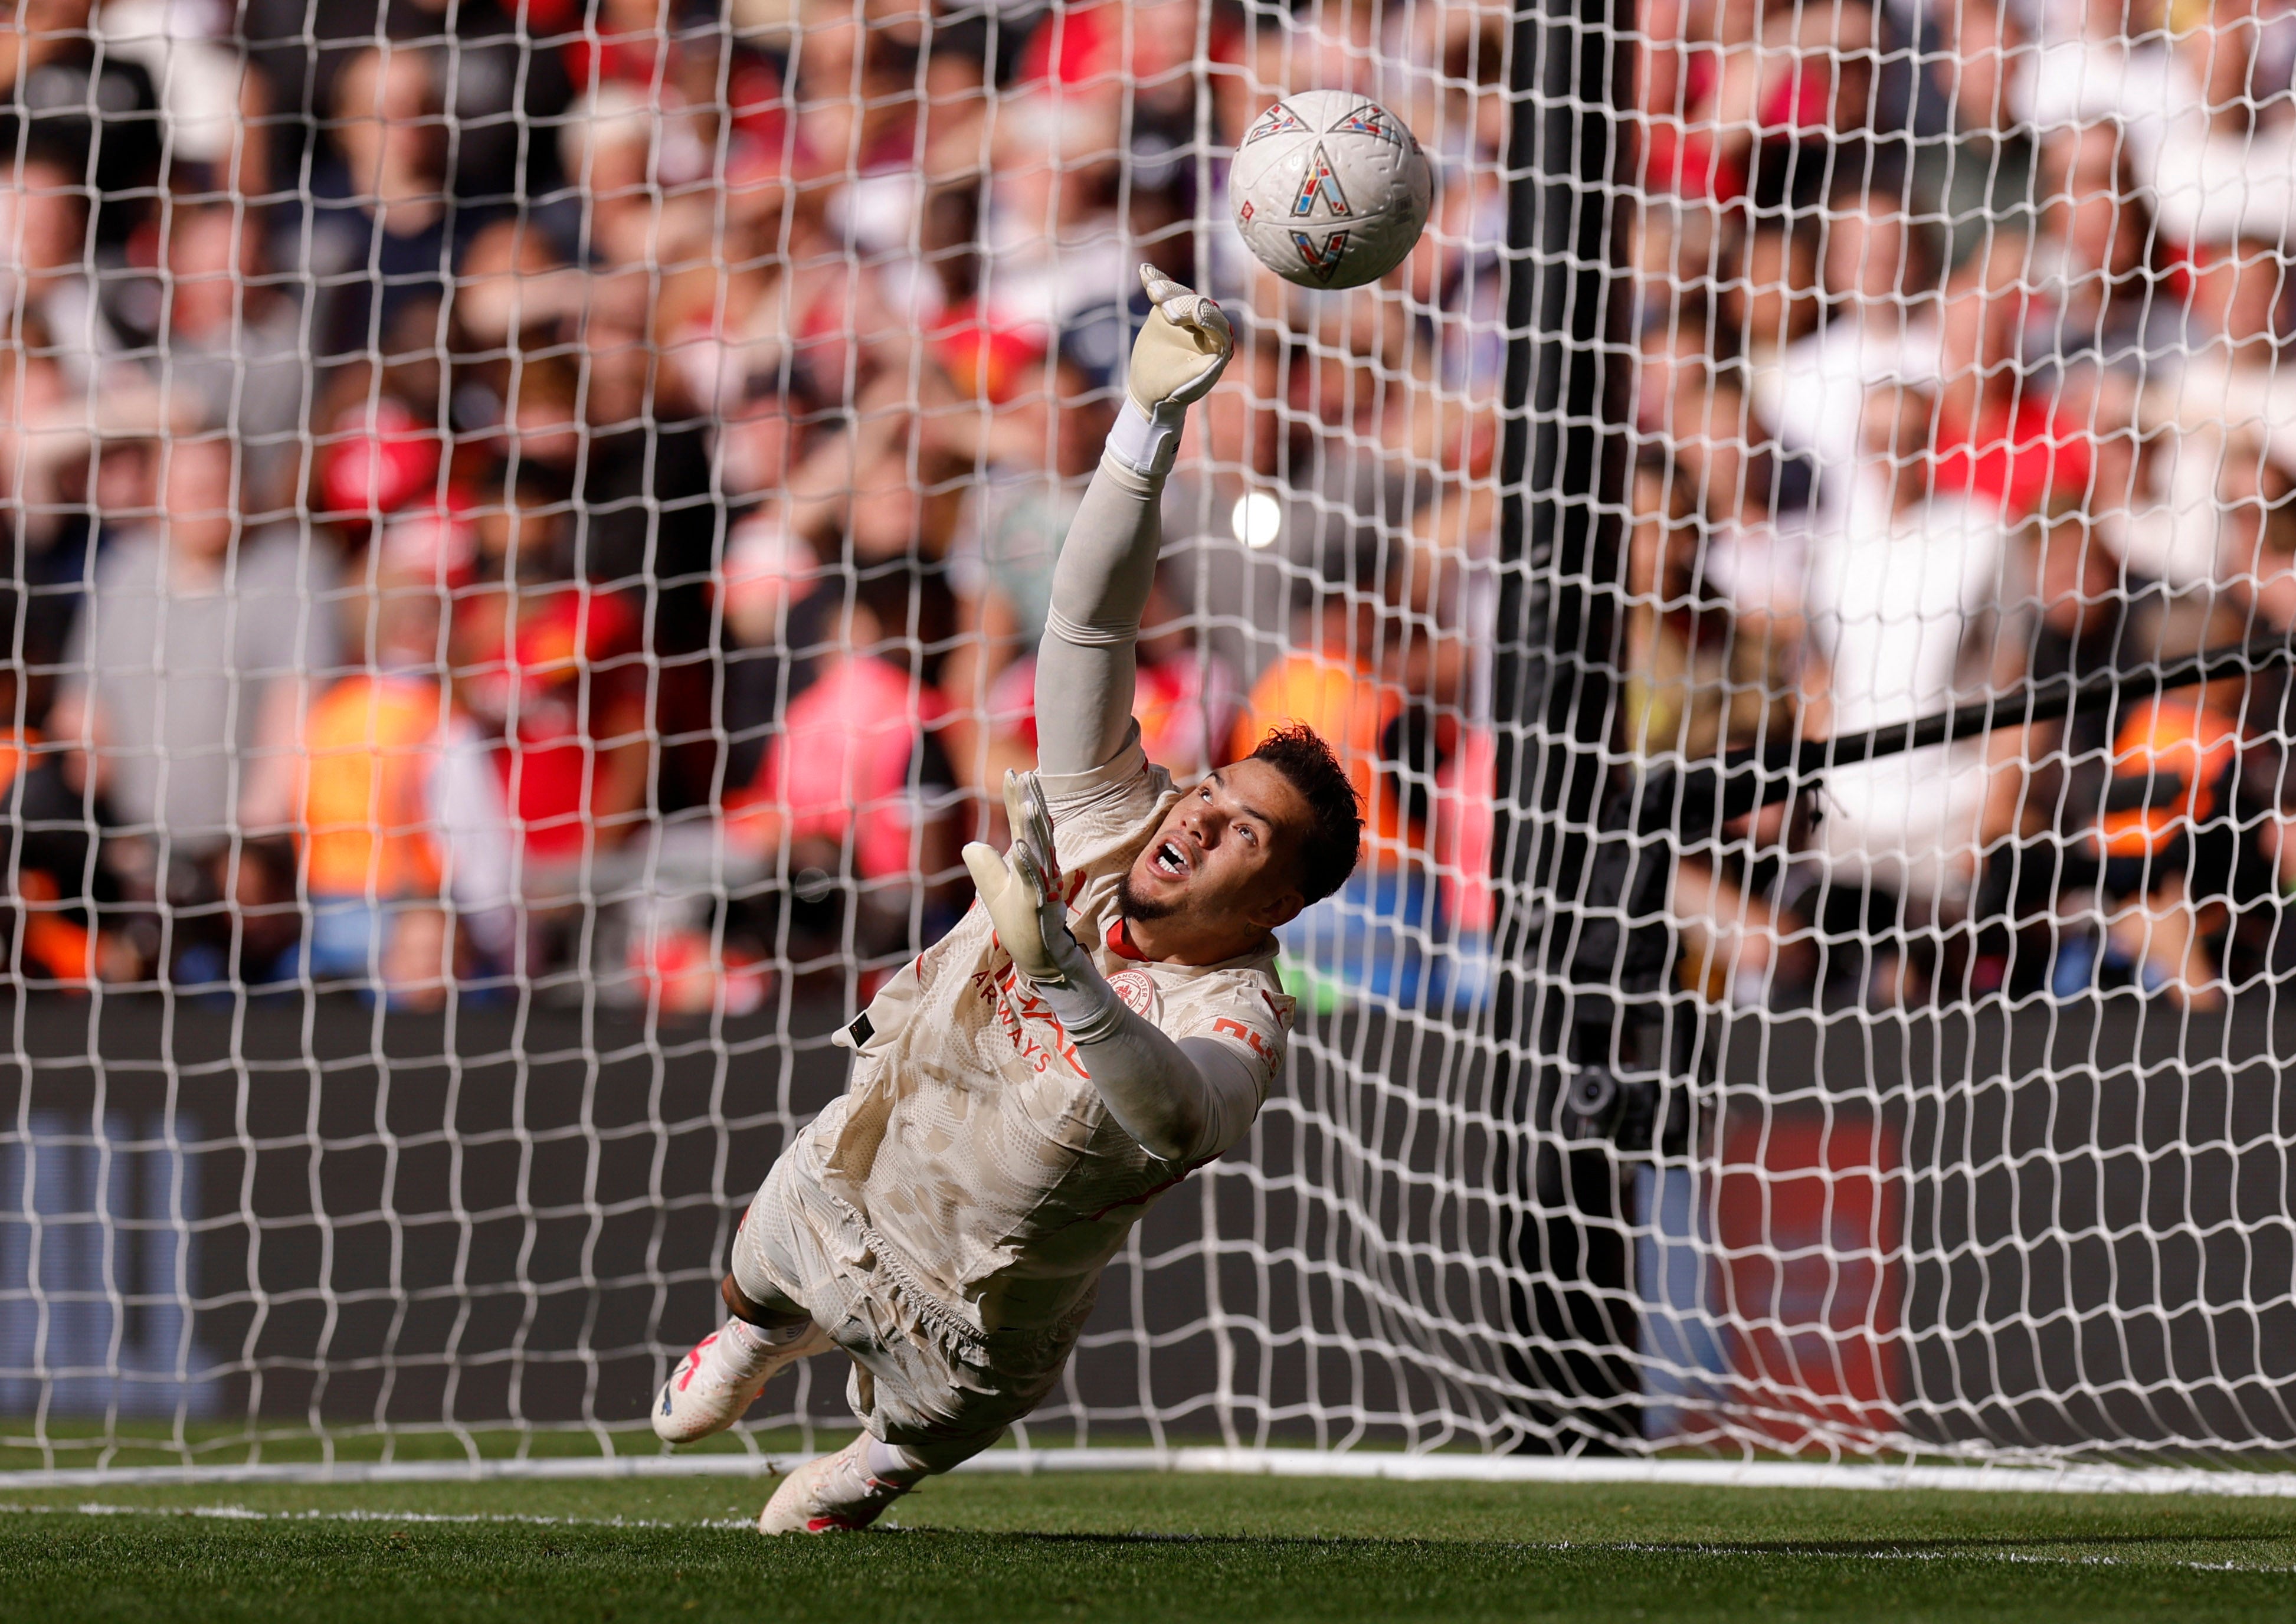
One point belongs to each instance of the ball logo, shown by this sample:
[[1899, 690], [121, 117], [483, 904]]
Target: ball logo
[[1319, 182], [1278, 120], [1321, 258], [1137, 990], [1369, 120]]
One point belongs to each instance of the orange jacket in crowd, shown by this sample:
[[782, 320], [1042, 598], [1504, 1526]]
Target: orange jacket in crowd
[[370, 746]]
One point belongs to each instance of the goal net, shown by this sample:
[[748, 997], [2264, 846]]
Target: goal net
[[528, 525]]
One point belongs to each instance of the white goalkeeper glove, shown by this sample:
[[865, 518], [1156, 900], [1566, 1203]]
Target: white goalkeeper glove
[[1176, 360], [1022, 891]]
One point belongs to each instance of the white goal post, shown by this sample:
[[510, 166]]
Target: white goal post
[[527, 525]]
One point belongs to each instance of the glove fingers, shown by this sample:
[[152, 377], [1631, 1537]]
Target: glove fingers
[[1040, 826], [986, 867], [1161, 288], [1016, 805], [1191, 312], [1211, 323], [1026, 871]]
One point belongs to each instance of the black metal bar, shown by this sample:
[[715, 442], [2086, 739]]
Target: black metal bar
[[1760, 776], [1563, 469]]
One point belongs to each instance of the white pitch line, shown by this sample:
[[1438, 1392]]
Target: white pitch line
[[1364, 1463], [247, 1513]]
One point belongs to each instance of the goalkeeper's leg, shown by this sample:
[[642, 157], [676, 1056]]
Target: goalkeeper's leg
[[930, 1394], [768, 1330], [850, 1490], [723, 1373]]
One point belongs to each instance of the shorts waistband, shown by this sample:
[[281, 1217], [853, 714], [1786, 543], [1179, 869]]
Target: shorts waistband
[[928, 1307]]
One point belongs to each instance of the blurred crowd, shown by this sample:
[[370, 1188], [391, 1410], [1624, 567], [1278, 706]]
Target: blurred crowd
[[560, 495], [1958, 331], [563, 495]]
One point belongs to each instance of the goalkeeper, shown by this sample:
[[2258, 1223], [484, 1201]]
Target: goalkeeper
[[1106, 1019]]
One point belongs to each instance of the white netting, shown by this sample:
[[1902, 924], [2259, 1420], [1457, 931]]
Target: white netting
[[530, 524]]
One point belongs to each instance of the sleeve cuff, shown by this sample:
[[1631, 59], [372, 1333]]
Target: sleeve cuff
[[1129, 762], [1146, 445]]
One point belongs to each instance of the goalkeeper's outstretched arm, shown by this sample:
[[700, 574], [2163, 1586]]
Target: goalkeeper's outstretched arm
[[1185, 1100], [1085, 664]]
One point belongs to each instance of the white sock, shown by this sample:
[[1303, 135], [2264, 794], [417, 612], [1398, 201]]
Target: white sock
[[763, 1338], [891, 1463]]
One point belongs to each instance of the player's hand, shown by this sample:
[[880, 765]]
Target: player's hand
[[1178, 355], [1022, 891]]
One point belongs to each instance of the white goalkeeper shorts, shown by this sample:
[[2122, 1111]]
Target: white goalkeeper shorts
[[923, 1377]]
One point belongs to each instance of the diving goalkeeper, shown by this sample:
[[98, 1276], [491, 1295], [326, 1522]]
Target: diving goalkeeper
[[1106, 1019]]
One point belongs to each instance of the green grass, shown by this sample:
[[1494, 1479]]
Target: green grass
[[1153, 1549]]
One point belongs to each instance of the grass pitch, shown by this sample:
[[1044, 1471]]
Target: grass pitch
[[994, 1550]]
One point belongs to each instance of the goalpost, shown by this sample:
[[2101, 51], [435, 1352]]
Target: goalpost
[[528, 529]]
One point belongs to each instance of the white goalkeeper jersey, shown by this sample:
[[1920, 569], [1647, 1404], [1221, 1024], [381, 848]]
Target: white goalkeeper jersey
[[971, 1138]]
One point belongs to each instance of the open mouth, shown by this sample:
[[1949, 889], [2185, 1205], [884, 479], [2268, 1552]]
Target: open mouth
[[1170, 860]]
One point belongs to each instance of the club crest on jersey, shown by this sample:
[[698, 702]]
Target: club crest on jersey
[[1275, 121], [1137, 990], [1321, 258], [1369, 120], [1319, 182]]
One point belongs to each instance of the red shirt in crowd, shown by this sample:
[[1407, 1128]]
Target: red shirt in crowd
[[2012, 458], [567, 684], [843, 761]]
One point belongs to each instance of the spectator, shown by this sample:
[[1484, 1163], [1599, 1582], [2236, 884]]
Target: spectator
[[391, 800], [1879, 277], [381, 231], [499, 92], [50, 924], [1187, 699], [210, 105], [2225, 165], [2096, 62], [1775, 290], [1998, 441], [201, 637], [47, 274], [1054, 244], [1900, 624], [2170, 842], [1980, 167], [227, 344], [1367, 690], [2220, 418], [1678, 88], [2102, 261], [553, 670], [49, 459], [89, 111], [857, 783]]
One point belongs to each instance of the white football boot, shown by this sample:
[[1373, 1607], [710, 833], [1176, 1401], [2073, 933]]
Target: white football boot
[[830, 1494], [722, 1375]]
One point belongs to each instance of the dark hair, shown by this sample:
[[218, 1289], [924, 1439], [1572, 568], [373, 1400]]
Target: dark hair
[[1334, 834]]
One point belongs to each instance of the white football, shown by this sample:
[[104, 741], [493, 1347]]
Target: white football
[[1330, 190]]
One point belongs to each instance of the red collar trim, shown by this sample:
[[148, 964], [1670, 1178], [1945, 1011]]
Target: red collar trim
[[1119, 943]]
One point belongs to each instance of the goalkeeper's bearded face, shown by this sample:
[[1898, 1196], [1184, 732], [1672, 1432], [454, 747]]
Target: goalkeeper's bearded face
[[1220, 867]]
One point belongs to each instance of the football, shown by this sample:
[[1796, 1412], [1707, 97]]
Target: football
[[1329, 189]]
